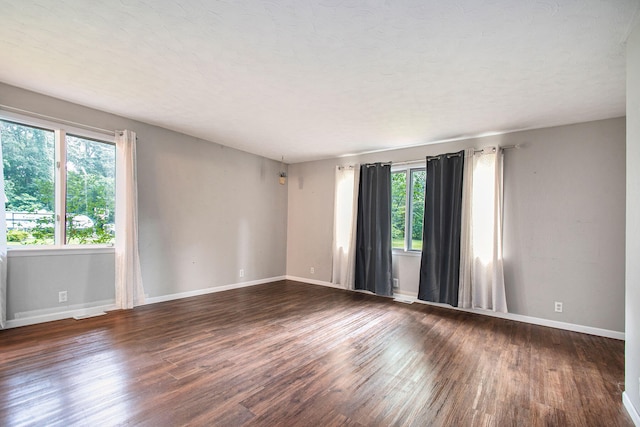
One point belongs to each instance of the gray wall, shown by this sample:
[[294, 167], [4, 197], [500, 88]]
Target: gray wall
[[205, 212], [563, 221], [632, 347], [35, 280]]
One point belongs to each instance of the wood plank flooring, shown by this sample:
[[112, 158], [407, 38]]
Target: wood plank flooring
[[293, 354]]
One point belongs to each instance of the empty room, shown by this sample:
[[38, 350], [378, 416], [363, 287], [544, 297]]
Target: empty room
[[320, 213]]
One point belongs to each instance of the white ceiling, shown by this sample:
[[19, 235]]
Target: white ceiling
[[321, 78]]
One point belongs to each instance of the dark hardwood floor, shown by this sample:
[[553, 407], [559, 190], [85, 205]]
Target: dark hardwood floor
[[293, 354]]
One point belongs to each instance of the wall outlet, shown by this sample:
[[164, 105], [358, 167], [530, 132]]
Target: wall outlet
[[312, 270], [395, 284], [558, 307], [62, 296], [241, 272]]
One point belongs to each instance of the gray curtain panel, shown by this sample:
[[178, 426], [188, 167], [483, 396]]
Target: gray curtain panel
[[440, 264], [373, 235]]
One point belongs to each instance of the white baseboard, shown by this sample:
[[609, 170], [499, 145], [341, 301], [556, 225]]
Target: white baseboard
[[509, 316], [170, 297], [50, 314], [83, 310], [539, 321], [631, 410], [88, 310], [314, 282]]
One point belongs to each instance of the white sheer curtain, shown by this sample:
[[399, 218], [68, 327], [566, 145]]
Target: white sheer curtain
[[344, 226], [3, 247], [129, 289], [482, 281], [466, 237]]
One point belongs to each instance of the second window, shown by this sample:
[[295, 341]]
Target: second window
[[408, 185]]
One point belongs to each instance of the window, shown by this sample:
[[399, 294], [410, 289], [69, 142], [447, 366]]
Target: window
[[39, 192], [28, 160], [91, 191], [408, 184]]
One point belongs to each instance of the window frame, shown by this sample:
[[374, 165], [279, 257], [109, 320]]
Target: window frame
[[60, 131], [408, 168]]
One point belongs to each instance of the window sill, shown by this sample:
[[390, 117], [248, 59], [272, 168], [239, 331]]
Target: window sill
[[27, 251], [400, 252]]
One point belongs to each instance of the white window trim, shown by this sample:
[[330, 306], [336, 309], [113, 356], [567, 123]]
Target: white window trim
[[51, 125], [60, 187], [49, 250], [407, 167]]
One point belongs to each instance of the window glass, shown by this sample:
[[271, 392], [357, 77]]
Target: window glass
[[34, 180], [398, 208], [408, 186], [418, 187], [90, 204], [28, 160]]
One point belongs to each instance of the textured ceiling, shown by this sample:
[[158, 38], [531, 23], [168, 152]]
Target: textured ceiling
[[321, 78]]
